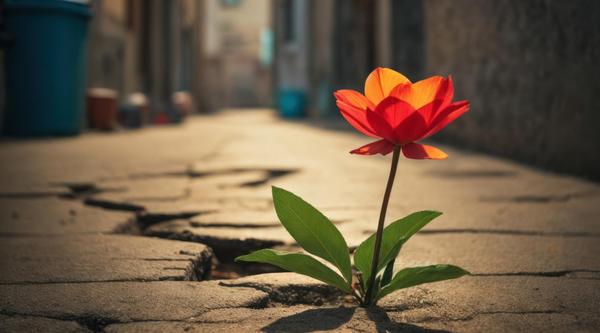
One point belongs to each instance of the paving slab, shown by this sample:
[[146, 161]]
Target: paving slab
[[110, 302], [147, 189], [291, 288], [54, 216], [468, 298], [499, 254], [85, 258], [24, 324], [466, 305], [514, 322]]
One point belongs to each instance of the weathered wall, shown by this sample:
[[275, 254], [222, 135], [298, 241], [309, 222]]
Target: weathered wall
[[532, 72], [2, 91], [231, 72]]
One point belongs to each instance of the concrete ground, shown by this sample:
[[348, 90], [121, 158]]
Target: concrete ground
[[117, 232]]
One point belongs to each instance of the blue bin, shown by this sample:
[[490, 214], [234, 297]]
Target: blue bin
[[291, 103], [45, 67]]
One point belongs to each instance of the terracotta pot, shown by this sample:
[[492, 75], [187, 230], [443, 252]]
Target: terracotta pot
[[102, 108]]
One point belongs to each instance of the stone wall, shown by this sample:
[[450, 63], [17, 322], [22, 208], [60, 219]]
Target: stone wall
[[532, 72]]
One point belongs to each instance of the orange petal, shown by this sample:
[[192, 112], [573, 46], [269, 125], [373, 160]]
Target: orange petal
[[382, 147], [354, 98], [419, 93], [447, 116], [357, 118], [380, 83], [420, 152]]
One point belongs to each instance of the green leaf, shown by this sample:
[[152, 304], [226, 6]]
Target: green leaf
[[312, 230], [413, 276], [298, 263], [394, 236], [388, 273]]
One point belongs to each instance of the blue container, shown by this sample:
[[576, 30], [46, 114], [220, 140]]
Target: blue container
[[291, 103], [45, 67]]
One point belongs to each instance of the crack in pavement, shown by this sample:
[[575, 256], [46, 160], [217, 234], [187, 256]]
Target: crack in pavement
[[146, 219], [113, 205], [83, 190], [271, 173], [143, 217], [196, 224], [225, 249]]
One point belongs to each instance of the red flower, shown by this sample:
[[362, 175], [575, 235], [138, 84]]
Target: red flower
[[399, 112]]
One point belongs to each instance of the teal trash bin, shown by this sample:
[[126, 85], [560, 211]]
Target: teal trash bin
[[291, 103], [45, 67]]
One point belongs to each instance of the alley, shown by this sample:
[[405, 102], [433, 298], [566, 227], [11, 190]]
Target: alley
[[112, 232]]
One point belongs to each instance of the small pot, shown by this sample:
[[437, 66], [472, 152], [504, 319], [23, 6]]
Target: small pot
[[102, 108]]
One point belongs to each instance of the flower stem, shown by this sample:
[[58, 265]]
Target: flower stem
[[379, 235]]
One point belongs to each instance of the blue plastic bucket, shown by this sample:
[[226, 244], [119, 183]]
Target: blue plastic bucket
[[291, 103], [45, 67]]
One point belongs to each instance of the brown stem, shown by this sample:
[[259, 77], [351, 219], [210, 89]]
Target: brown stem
[[379, 235]]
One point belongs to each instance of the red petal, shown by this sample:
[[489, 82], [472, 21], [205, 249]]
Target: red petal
[[382, 147], [428, 112], [393, 110], [380, 83], [445, 93], [354, 98], [357, 118], [447, 116], [379, 124], [420, 152], [411, 129]]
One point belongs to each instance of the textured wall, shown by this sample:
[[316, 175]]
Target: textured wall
[[532, 72]]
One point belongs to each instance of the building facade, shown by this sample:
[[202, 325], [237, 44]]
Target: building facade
[[146, 46], [529, 68]]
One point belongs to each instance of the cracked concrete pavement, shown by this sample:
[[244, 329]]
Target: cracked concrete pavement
[[119, 233]]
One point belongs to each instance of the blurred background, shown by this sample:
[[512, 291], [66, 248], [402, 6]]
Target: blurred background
[[531, 68]]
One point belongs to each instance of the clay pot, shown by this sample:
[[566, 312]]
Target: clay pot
[[102, 108]]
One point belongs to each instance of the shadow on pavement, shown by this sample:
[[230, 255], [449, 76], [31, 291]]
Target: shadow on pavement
[[326, 319]]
